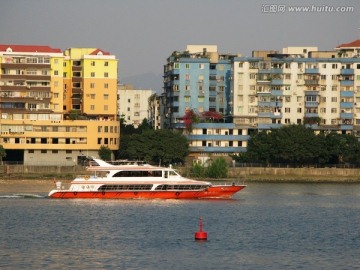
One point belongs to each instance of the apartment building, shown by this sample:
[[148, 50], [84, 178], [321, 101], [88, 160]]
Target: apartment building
[[134, 104], [199, 79], [57, 107], [299, 85]]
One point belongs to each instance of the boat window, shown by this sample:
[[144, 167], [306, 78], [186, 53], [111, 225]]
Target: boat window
[[125, 187], [181, 187], [172, 173], [138, 174]]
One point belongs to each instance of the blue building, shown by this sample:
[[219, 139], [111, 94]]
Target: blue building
[[199, 80]]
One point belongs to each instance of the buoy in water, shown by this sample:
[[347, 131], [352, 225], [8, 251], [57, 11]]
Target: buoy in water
[[201, 235]]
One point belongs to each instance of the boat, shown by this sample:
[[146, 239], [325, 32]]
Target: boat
[[139, 181]]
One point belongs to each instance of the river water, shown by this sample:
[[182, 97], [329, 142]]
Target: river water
[[265, 226]]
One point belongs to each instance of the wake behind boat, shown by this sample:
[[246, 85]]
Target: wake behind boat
[[139, 181]]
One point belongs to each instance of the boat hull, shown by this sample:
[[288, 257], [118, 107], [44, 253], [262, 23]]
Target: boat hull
[[221, 191]]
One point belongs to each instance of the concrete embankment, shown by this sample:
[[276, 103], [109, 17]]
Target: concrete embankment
[[240, 173]]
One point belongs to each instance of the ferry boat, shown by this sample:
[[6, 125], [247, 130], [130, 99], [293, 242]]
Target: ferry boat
[[139, 181]]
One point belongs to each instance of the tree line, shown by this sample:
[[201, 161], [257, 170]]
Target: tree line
[[299, 145]]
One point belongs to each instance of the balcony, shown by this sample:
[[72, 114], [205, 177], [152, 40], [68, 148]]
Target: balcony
[[311, 93], [215, 149], [271, 104], [272, 115], [311, 115], [24, 66], [346, 105], [346, 83], [311, 104], [269, 126], [347, 71], [311, 82], [346, 115], [218, 137], [346, 127], [311, 70], [277, 93], [276, 82], [346, 94]]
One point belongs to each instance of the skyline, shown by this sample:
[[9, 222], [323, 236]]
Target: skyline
[[143, 34]]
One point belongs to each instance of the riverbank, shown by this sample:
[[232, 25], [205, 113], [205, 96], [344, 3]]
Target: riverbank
[[238, 174]]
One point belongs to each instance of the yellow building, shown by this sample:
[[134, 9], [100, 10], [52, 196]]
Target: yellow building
[[57, 107]]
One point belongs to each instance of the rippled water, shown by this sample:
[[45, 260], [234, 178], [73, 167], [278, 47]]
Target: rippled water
[[265, 226]]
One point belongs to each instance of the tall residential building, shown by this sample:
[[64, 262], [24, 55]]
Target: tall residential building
[[300, 85], [134, 104], [57, 108], [197, 79], [321, 90]]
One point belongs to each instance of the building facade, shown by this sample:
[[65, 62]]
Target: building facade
[[321, 89], [134, 104], [57, 107], [300, 85], [197, 79]]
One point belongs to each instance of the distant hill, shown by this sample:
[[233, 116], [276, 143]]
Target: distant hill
[[145, 81]]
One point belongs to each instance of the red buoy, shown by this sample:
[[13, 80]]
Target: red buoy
[[201, 235]]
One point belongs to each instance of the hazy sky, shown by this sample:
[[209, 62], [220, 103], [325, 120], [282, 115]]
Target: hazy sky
[[143, 33]]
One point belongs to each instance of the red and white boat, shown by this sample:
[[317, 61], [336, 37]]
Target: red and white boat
[[139, 181]]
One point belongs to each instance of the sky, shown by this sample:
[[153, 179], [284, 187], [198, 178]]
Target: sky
[[143, 33]]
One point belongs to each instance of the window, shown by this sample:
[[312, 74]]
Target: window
[[187, 66], [106, 107], [92, 85], [106, 63], [92, 107], [106, 74], [106, 85], [92, 63], [56, 72], [92, 74], [106, 96]]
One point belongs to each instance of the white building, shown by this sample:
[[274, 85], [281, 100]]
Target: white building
[[133, 104], [298, 86]]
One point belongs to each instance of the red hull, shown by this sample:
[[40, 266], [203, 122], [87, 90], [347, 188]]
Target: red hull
[[211, 192]]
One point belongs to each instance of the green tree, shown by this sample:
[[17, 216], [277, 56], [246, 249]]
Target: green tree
[[299, 145], [155, 146], [104, 153], [197, 170], [217, 169], [2, 153]]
